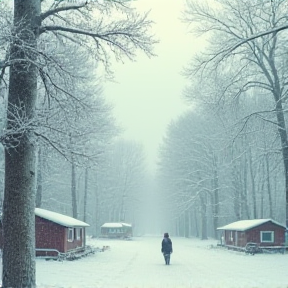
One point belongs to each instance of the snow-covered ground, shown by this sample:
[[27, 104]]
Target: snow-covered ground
[[139, 263]]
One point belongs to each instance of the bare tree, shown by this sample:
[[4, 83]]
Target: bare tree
[[206, 164], [122, 181], [73, 124], [257, 63], [189, 169], [79, 24]]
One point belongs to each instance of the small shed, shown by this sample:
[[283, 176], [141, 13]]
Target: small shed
[[57, 233], [116, 230], [264, 232]]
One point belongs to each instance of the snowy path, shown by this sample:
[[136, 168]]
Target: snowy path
[[139, 263]]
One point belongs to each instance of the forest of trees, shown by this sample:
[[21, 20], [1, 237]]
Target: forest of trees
[[224, 160], [58, 134]]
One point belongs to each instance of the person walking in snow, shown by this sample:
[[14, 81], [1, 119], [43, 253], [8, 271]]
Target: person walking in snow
[[166, 248]]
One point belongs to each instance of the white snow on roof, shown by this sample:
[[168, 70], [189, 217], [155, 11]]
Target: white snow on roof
[[116, 225], [244, 225], [60, 218]]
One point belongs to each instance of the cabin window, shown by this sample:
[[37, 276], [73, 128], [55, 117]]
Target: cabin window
[[78, 233], [267, 236], [70, 234], [231, 236]]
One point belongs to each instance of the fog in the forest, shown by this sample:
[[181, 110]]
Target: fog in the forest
[[182, 140], [179, 125], [210, 141]]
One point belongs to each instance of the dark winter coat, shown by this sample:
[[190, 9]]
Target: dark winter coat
[[166, 246]]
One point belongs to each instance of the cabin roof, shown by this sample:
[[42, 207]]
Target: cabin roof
[[116, 225], [244, 225], [60, 218]]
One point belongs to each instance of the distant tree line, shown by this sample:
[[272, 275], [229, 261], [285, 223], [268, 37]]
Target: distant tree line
[[227, 159]]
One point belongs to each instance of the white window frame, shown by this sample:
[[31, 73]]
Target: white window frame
[[265, 241], [78, 233], [70, 235]]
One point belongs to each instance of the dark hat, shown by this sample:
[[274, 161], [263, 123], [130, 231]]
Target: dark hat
[[166, 235]]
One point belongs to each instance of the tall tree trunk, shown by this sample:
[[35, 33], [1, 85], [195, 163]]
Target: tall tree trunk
[[244, 194], [252, 178], [73, 190], [278, 97], [284, 145], [186, 223], [203, 217], [97, 208], [181, 225], [85, 195], [39, 181], [269, 190], [237, 203], [262, 171], [19, 193], [176, 226], [215, 198], [122, 211], [196, 224]]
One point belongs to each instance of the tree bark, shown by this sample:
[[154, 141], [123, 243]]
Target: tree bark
[[85, 195], [252, 179], [237, 204], [215, 198], [197, 234], [19, 192], [73, 190], [203, 212], [39, 181], [244, 192], [97, 207], [186, 223], [284, 143], [269, 190]]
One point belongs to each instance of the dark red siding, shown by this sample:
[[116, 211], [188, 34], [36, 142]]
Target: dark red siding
[[253, 235], [49, 235], [241, 238]]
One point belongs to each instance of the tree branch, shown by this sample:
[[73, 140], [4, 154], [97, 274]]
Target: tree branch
[[258, 35], [83, 32], [60, 9]]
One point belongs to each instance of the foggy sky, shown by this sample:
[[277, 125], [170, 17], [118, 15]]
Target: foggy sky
[[148, 92]]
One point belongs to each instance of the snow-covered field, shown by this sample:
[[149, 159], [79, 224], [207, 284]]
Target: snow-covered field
[[139, 263]]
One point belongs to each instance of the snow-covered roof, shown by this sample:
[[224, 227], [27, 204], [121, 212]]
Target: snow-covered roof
[[60, 218], [116, 225], [244, 225]]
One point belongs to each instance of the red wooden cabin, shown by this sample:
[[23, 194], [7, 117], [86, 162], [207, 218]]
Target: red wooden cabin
[[57, 233], [265, 232]]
